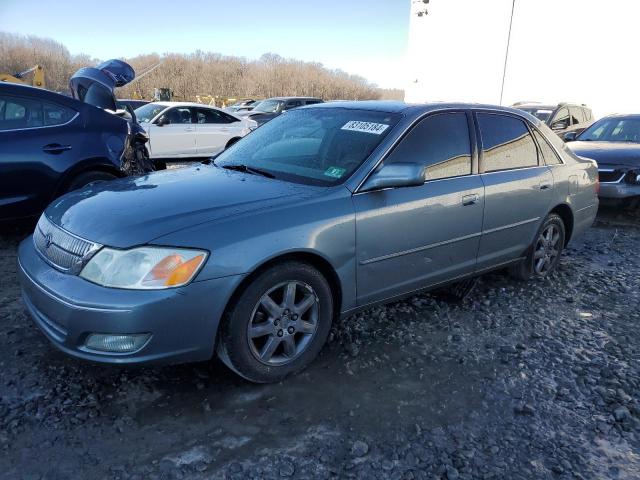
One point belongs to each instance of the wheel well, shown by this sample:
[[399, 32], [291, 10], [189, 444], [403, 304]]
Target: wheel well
[[323, 266], [231, 142], [69, 177], [565, 213]]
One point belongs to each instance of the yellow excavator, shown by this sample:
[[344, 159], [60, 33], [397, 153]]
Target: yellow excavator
[[37, 79]]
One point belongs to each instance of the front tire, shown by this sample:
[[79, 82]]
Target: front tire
[[89, 178], [544, 255], [278, 324]]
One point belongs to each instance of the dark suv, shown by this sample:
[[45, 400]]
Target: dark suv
[[272, 107], [561, 118], [52, 144]]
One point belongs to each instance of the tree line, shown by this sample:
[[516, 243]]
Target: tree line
[[197, 74]]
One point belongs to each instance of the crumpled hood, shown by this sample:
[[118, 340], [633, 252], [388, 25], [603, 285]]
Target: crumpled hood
[[608, 153], [135, 210]]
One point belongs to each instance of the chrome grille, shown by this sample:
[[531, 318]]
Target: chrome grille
[[61, 249]]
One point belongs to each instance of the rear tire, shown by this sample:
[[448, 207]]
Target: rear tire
[[544, 255], [278, 324], [89, 178]]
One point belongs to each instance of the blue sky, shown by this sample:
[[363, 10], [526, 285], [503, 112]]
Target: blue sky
[[365, 37]]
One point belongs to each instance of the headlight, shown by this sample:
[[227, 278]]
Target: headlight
[[144, 268]]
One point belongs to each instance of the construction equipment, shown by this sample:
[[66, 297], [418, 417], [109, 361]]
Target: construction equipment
[[36, 81]]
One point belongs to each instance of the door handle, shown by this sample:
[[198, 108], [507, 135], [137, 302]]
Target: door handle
[[471, 199], [55, 148], [189, 129]]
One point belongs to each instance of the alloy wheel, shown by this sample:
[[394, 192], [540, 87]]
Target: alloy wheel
[[283, 322], [547, 250]]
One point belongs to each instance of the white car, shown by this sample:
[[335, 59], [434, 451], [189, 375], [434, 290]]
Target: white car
[[182, 129]]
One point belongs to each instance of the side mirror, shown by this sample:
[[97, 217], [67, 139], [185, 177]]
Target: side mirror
[[162, 121], [570, 136], [559, 125], [395, 175]]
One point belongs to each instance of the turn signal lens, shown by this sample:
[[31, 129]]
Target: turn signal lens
[[144, 268], [183, 272]]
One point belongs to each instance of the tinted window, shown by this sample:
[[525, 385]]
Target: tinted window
[[99, 96], [312, 102], [506, 143], [562, 116], [549, 155], [206, 115], [293, 104], [56, 114], [440, 143], [178, 115], [18, 112]]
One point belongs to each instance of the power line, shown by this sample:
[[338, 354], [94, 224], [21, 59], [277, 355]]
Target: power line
[[506, 55]]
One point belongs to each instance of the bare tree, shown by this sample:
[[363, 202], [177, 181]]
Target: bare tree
[[192, 75]]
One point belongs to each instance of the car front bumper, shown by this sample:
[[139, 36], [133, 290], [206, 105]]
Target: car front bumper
[[182, 322], [619, 190]]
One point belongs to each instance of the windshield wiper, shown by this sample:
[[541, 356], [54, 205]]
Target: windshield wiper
[[247, 169]]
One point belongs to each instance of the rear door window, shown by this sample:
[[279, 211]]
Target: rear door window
[[439, 142], [506, 143], [179, 115], [18, 113]]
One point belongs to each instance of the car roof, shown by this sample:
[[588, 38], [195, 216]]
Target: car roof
[[18, 89], [390, 106], [293, 98], [623, 115], [185, 104], [538, 106], [542, 106]]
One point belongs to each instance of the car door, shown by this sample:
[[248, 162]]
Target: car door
[[173, 134], [214, 130], [518, 188], [413, 237], [40, 139]]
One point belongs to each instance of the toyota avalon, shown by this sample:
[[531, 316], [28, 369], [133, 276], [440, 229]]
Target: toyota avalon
[[321, 212]]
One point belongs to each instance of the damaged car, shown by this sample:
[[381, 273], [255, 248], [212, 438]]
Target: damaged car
[[613, 142], [53, 144]]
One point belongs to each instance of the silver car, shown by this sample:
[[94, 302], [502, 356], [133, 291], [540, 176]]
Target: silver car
[[323, 211]]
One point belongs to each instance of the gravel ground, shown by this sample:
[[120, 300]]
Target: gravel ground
[[519, 381]]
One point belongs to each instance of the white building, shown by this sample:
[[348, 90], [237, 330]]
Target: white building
[[456, 52]]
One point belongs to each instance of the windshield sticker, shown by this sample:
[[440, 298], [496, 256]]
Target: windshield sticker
[[334, 172], [366, 127]]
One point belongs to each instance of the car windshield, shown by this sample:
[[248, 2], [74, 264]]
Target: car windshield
[[541, 114], [268, 106], [147, 112], [314, 146], [619, 129]]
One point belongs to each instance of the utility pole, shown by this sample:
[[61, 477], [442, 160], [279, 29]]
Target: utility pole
[[506, 56]]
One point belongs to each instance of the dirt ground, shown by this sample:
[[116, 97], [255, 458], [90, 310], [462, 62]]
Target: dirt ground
[[520, 381]]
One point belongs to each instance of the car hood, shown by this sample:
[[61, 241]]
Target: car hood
[[608, 153], [135, 210]]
